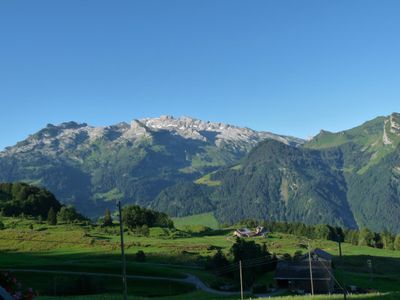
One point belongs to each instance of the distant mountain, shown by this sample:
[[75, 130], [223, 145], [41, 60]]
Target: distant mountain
[[350, 178], [92, 167], [370, 163], [185, 166], [275, 182]]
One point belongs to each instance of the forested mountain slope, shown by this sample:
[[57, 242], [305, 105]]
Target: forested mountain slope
[[350, 178], [92, 167], [274, 181]]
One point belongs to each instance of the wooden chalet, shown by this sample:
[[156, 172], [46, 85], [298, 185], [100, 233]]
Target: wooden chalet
[[245, 232]]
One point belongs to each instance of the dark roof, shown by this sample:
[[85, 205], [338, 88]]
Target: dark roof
[[323, 254], [318, 252], [287, 270]]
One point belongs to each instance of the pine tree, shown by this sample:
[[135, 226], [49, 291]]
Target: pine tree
[[387, 240], [365, 237], [51, 217], [107, 218], [397, 242]]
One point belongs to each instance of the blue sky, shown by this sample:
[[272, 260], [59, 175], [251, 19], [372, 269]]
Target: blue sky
[[290, 67]]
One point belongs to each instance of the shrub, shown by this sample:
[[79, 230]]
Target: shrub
[[140, 256]]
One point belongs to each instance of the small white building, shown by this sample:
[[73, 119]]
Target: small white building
[[245, 232]]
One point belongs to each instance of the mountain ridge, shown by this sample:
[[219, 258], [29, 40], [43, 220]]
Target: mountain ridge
[[187, 166], [352, 175], [93, 166]]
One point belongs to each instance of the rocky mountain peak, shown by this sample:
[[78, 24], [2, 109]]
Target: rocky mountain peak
[[217, 132], [72, 135], [395, 123]]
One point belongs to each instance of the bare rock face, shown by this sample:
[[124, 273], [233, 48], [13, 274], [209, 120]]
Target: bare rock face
[[71, 136], [395, 123], [216, 133]]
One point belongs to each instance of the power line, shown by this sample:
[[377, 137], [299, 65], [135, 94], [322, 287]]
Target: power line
[[234, 267], [334, 278]]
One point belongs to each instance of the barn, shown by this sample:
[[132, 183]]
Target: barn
[[295, 275]]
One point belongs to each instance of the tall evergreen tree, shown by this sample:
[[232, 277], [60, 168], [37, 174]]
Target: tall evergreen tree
[[366, 237], [397, 242], [387, 240], [108, 221], [51, 217]]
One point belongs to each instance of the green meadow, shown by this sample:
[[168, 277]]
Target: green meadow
[[70, 256]]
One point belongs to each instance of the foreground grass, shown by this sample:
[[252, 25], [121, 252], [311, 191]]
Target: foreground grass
[[192, 296], [373, 296], [170, 254], [204, 296]]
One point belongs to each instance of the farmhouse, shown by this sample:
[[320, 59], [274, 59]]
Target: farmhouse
[[245, 232], [295, 275]]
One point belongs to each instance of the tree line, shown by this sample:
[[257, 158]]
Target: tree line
[[361, 237], [254, 258]]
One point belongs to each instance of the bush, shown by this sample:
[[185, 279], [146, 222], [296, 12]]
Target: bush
[[2, 226], [140, 256]]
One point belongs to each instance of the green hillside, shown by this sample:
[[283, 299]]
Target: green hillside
[[276, 182], [170, 254], [92, 168], [206, 219], [350, 179]]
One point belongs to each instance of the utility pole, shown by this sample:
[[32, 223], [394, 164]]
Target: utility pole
[[341, 261], [311, 275], [121, 230], [369, 263], [241, 280]]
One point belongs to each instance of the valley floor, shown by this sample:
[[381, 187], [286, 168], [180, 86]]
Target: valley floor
[[52, 260]]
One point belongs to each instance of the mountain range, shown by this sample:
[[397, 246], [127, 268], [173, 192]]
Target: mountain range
[[186, 166], [92, 167]]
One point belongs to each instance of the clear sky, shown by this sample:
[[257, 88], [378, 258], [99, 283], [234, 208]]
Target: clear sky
[[290, 67]]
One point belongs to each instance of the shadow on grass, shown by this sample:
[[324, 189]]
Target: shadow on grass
[[85, 262], [369, 272], [82, 284]]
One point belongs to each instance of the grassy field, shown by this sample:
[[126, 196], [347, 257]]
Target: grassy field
[[203, 296], [170, 254], [206, 219], [206, 180]]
